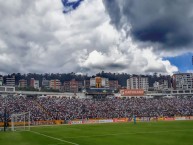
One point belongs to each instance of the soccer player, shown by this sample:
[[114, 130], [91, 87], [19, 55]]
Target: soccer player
[[134, 119]]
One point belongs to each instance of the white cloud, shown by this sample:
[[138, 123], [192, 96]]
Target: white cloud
[[37, 37], [126, 57]]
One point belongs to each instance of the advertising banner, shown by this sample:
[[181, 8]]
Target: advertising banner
[[154, 118], [191, 117], [1, 124], [145, 119], [120, 120], [132, 92], [90, 121], [58, 122], [160, 118], [76, 122], [50, 122], [138, 119], [181, 118], [169, 118], [187, 117], [106, 121]]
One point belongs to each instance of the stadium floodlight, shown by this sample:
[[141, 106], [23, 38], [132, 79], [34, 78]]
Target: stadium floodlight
[[20, 122]]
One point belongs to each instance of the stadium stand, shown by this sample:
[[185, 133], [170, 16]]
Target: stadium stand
[[63, 108]]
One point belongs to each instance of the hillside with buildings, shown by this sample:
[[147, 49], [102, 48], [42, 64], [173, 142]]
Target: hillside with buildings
[[78, 83]]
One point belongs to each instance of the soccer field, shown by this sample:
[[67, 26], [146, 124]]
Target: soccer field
[[154, 133]]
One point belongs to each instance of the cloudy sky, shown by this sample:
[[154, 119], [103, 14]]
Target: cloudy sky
[[132, 36]]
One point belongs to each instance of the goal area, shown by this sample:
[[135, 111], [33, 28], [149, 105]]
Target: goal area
[[20, 122]]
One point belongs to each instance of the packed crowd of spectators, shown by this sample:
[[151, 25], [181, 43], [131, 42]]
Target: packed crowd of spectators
[[63, 108]]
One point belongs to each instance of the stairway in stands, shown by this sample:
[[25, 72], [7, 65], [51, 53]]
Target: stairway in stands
[[43, 108]]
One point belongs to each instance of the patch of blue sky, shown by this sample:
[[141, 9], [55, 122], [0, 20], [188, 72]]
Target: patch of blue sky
[[70, 5], [183, 62]]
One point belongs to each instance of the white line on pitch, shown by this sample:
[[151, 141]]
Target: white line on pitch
[[57, 144], [54, 138]]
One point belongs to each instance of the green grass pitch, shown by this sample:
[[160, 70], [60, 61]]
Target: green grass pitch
[[147, 133]]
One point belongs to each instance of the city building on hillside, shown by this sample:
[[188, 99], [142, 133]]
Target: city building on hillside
[[99, 82], [182, 81], [10, 81], [156, 86], [1, 81], [34, 83], [113, 84], [55, 84], [86, 84], [80, 86], [161, 85], [73, 86], [7, 89], [66, 86], [138, 82], [45, 84], [22, 83]]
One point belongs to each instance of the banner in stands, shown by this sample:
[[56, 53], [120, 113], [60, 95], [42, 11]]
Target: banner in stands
[[106, 121], [160, 118], [76, 122], [168, 118], [145, 119], [154, 119], [120, 120], [187, 117], [1, 124], [132, 92], [50, 122], [191, 117], [58, 122], [181, 118], [96, 121], [90, 121], [138, 119]]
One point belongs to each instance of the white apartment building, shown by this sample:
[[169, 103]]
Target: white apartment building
[[36, 84], [10, 81], [133, 83], [138, 82], [182, 81], [45, 83], [1, 81]]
